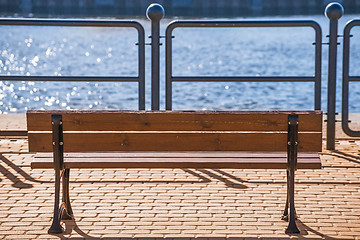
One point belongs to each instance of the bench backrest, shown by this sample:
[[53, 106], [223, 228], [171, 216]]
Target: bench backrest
[[92, 131]]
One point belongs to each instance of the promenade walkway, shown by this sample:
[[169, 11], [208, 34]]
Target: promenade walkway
[[180, 203]]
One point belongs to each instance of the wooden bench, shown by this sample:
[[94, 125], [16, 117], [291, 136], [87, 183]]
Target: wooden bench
[[173, 139]]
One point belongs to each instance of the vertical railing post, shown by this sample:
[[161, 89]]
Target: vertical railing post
[[155, 12], [333, 11]]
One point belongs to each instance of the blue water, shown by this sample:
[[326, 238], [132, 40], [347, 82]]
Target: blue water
[[65, 51]]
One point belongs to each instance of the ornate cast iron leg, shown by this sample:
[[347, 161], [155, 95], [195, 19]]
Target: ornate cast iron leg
[[68, 214], [57, 135], [285, 215], [55, 226], [292, 165]]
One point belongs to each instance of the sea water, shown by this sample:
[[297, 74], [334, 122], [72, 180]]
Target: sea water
[[94, 51]]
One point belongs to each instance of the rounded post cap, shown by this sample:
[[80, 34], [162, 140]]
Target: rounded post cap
[[155, 12], [334, 11]]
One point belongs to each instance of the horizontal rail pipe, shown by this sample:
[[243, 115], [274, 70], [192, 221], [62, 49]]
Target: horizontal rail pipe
[[68, 78], [347, 79], [86, 23], [354, 78], [7, 133], [69, 23], [242, 79], [236, 24]]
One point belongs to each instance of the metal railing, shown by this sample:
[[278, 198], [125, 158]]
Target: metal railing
[[231, 24], [155, 13], [347, 79], [333, 12], [140, 79]]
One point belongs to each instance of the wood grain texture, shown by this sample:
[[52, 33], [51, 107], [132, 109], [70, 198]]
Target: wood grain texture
[[189, 141], [174, 121], [242, 160], [176, 154]]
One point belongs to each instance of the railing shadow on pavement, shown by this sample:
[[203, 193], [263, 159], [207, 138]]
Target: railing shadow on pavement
[[228, 179], [347, 156], [18, 183]]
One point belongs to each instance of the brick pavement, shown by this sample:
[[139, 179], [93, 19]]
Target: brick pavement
[[182, 203]]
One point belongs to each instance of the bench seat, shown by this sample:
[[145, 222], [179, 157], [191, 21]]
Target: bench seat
[[234, 160]]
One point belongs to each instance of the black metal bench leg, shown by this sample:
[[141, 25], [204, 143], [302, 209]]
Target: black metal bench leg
[[58, 156], [55, 226], [285, 215], [292, 228], [68, 213], [292, 165]]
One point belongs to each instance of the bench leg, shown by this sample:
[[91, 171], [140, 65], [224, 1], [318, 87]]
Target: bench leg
[[68, 213], [55, 226], [62, 210], [285, 215], [292, 228], [292, 165], [60, 172]]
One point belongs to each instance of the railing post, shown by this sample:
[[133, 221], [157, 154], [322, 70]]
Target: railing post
[[333, 11], [155, 12]]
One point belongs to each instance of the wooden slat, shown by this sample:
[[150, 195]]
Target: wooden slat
[[174, 121], [181, 160], [160, 141], [219, 154]]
